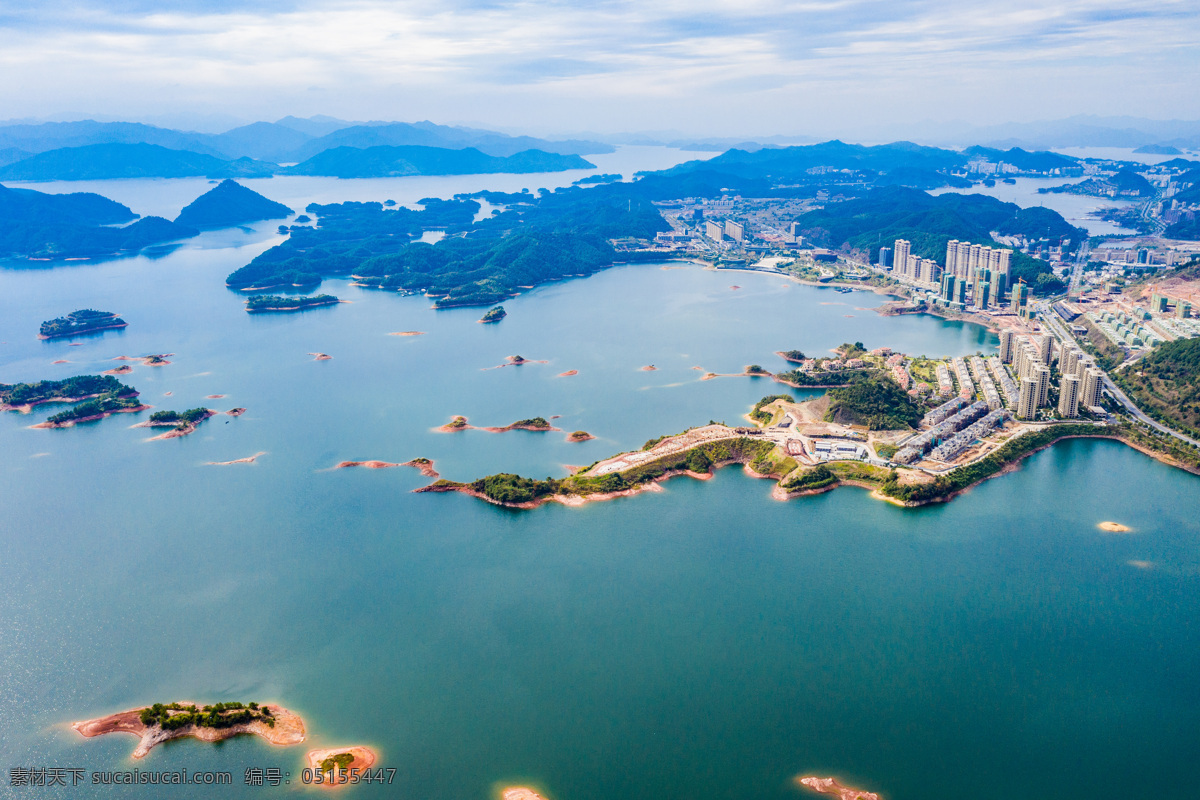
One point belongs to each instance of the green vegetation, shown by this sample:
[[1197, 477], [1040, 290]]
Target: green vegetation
[[229, 203], [78, 225], [801, 379], [929, 222], [509, 488], [173, 716], [60, 391], [757, 369], [810, 480], [1107, 353], [181, 419], [104, 404], [879, 403], [82, 321], [494, 315], [794, 355], [271, 302], [457, 422], [337, 762], [1165, 384], [886, 450], [547, 238], [758, 415], [856, 350], [534, 422]]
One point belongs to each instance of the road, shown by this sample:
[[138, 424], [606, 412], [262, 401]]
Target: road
[[1081, 260], [1059, 329]]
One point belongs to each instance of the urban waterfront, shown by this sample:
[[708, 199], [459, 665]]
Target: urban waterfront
[[703, 641]]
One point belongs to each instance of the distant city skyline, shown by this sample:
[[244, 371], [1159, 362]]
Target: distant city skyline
[[816, 68]]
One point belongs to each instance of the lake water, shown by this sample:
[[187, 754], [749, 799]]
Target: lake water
[[1075, 209], [705, 641]]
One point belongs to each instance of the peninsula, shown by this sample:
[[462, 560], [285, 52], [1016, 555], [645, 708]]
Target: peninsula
[[85, 320], [211, 723], [24, 396]]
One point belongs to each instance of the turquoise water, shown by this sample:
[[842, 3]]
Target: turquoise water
[[705, 641]]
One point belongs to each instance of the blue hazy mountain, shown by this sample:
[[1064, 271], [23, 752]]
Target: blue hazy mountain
[[228, 204], [106, 161], [387, 161], [428, 134], [81, 224]]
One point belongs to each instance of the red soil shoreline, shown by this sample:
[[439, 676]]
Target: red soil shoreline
[[288, 730], [832, 786], [83, 332], [425, 466], [364, 759], [48, 425], [246, 460]]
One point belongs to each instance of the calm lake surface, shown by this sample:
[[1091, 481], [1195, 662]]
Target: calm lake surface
[[701, 642]]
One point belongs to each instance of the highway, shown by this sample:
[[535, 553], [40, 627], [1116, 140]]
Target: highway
[[1056, 325]]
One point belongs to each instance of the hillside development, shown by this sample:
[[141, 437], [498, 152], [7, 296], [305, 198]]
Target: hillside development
[[1166, 384]]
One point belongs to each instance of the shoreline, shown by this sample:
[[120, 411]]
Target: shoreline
[[362, 758], [778, 492], [288, 729], [83, 332], [48, 425]]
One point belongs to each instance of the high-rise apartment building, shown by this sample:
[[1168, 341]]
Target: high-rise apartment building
[[885, 256], [714, 230], [1006, 346], [1045, 343], [735, 230], [1093, 386], [900, 252], [1020, 299], [1027, 399], [1041, 373], [964, 260], [1068, 396]]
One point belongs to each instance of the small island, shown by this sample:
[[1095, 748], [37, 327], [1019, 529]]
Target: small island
[[424, 465], [211, 723], [180, 423], [24, 396], [1114, 527], [85, 320], [495, 315], [339, 763], [520, 793], [270, 302], [832, 786], [531, 424], [91, 410], [579, 436]]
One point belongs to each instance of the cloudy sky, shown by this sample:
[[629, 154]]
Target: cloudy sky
[[709, 67]]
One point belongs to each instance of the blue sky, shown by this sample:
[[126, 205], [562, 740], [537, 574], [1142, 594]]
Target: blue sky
[[710, 67]]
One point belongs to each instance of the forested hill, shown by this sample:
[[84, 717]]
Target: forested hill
[[106, 161], [1166, 384], [230, 203], [929, 222], [479, 263], [388, 161], [77, 225]]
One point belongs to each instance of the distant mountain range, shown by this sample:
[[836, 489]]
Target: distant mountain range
[[106, 161], [291, 139], [387, 161]]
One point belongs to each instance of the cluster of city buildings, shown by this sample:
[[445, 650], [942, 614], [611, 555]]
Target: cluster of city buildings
[[1081, 381], [974, 275]]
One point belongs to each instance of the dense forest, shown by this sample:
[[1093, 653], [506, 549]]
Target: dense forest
[[104, 404], [929, 222], [82, 321], [79, 386], [229, 203], [272, 302], [478, 263], [385, 161], [129, 160], [1166, 384], [879, 403]]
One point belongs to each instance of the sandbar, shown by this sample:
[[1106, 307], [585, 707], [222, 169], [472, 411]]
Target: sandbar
[[246, 460], [568, 373], [521, 792], [407, 333], [236, 412], [288, 729], [363, 758], [1140, 564], [735, 287], [125, 369], [213, 396], [320, 356], [649, 368], [831, 786], [516, 361], [1114, 527], [60, 361]]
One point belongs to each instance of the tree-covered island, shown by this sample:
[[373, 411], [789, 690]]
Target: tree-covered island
[[23, 396], [85, 320], [270, 302]]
